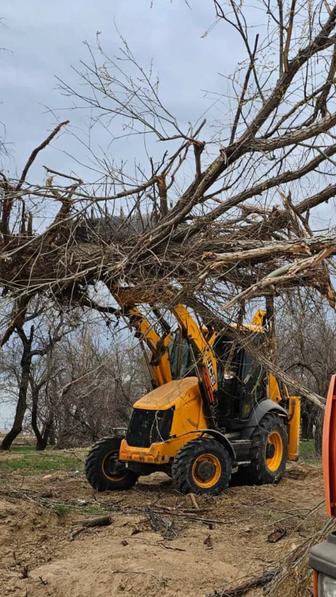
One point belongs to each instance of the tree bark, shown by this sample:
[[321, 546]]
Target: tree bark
[[43, 438], [21, 406], [52, 434], [38, 435], [318, 434]]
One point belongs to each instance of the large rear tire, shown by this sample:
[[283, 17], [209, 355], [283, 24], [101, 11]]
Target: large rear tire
[[202, 466], [103, 469], [268, 452]]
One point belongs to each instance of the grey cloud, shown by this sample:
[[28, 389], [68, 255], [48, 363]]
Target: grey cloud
[[45, 39]]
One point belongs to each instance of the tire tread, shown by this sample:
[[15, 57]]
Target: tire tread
[[257, 473], [183, 462], [93, 468]]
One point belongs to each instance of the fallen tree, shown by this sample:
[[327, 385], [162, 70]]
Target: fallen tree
[[217, 219]]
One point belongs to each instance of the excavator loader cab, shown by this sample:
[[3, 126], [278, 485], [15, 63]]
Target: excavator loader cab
[[242, 383], [214, 411]]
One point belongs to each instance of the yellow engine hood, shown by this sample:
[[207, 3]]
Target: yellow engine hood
[[166, 396]]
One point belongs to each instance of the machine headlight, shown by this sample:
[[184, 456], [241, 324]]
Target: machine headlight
[[326, 586]]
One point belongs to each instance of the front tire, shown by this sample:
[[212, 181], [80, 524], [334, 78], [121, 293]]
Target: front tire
[[103, 470], [202, 466], [268, 452]]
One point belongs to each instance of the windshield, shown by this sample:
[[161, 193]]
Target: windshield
[[181, 360], [238, 372], [242, 380]]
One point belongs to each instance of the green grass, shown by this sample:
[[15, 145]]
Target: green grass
[[307, 450], [22, 449], [26, 460], [61, 509]]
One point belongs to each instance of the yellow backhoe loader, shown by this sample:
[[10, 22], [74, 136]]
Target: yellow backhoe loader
[[214, 411]]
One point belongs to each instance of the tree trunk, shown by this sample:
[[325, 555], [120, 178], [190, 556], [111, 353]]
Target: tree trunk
[[41, 444], [13, 433], [23, 388], [307, 420], [41, 436], [42, 440], [52, 434], [318, 434], [38, 435]]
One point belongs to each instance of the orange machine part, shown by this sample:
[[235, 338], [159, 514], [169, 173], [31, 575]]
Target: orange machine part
[[315, 583], [329, 449]]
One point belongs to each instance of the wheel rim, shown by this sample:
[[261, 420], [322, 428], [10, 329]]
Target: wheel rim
[[206, 470], [112, 468], [275, 448]]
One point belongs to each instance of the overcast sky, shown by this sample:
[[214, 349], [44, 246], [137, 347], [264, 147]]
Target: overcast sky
[[44, 39]]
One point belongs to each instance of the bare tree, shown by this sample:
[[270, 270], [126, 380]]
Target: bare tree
[[42, 377], [223, 215], [21, 406], [306, 349], [28, 333], [96, 386]]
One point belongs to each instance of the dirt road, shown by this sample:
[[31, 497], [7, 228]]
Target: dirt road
[[159, 542]]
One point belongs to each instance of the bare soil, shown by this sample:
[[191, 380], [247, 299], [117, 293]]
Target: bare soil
[[159, 542]]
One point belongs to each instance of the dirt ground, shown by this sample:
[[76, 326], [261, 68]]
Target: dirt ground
[[159, 542]]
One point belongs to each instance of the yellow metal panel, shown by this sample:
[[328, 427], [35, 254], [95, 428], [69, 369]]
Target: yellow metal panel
[[161, 371], [189, 415], [294, 414], [188, 420], [157, 453], [194, 333], [273, 388], [166, 396], [258, 318]]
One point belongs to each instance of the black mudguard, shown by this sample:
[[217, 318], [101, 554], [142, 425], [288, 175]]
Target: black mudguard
[[258, 412], [222, 439]]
